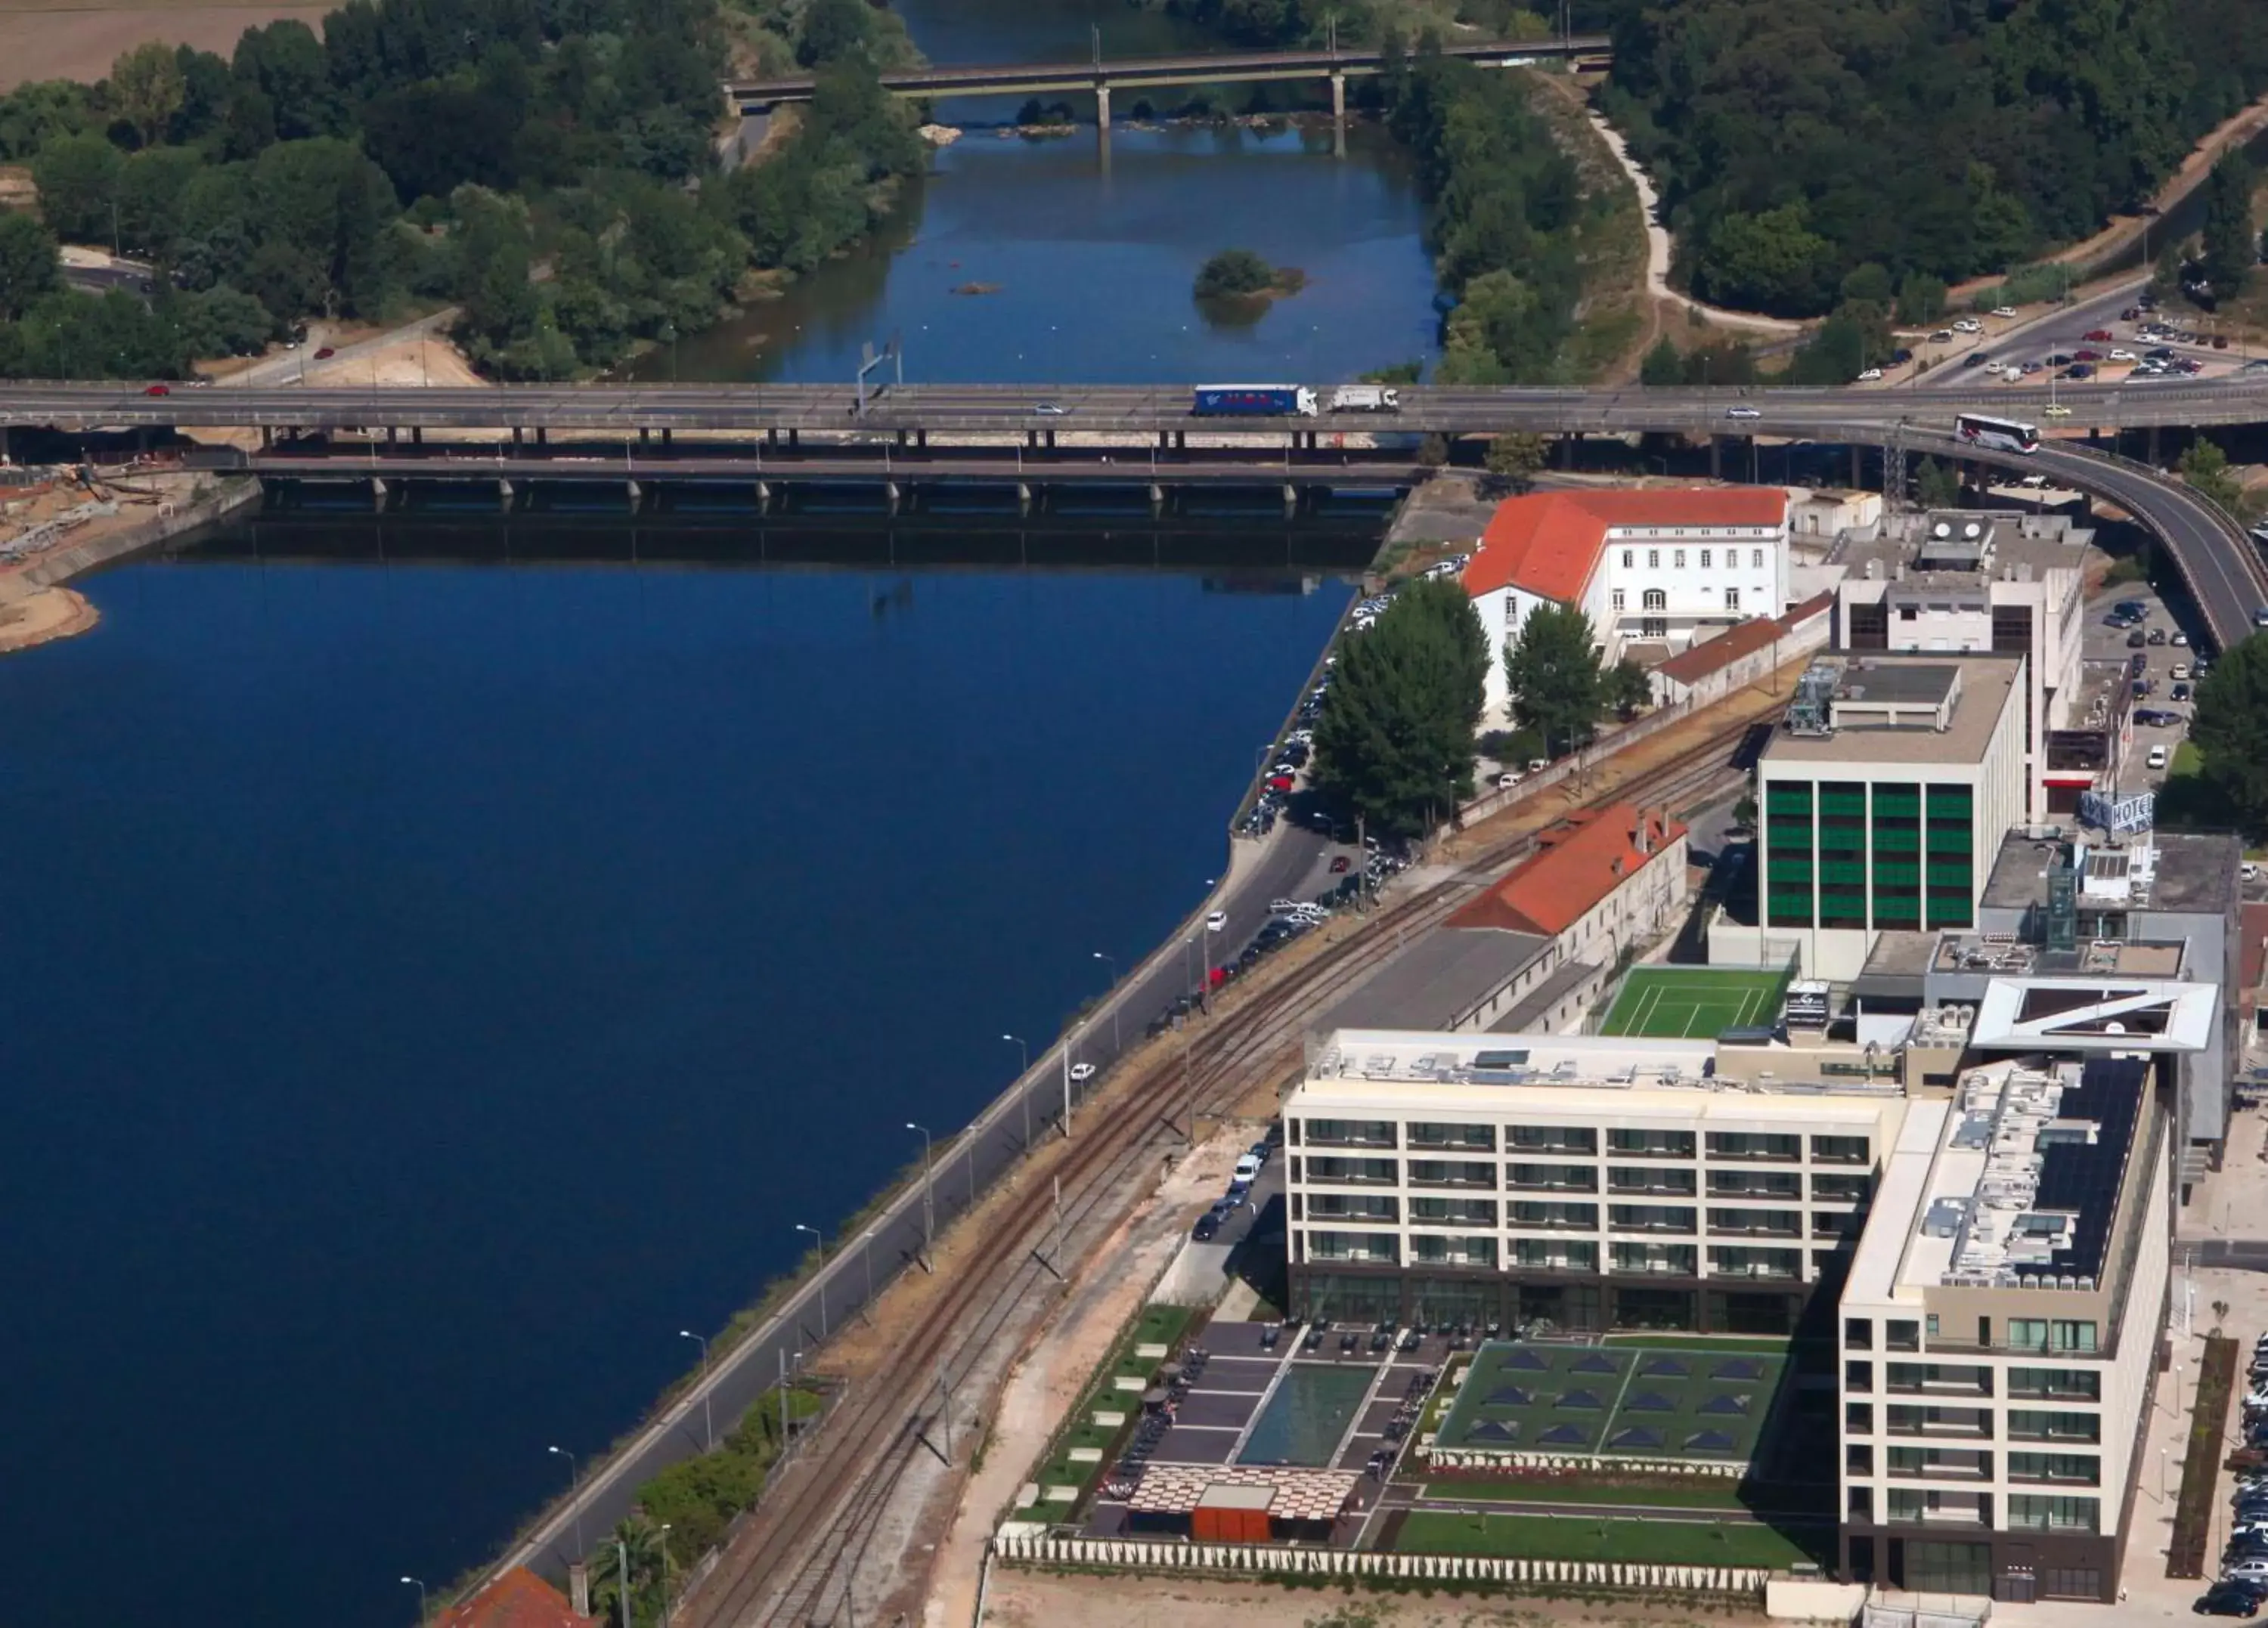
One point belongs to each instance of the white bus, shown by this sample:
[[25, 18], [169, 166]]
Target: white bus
[[2003, 435]]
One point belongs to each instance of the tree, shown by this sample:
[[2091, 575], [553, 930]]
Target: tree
[[77, 178], [832, 30], [635, 1543], [1662, 366], [1232, 273], [1767, 261], [1395, 740], [1515, 459], [27, 263], [2230, 729], [147, 87], [1625, 688], [1921, 297], [2205, 469], [1551, 670], [2230, 240], [1936, 485]]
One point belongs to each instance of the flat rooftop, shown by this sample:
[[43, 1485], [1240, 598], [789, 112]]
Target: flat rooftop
[[2194, 872], [1985, 683], [1976, 546], [2025, 1181], [2002, 954]]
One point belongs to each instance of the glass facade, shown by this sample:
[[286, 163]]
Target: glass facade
[[1846, 853]]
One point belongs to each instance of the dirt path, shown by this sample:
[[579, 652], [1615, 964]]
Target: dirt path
[[1657, 251], [2234, 130], [52, 42]]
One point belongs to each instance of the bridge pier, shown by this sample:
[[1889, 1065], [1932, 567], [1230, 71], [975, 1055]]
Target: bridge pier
[[417, 436], [664, 440], [1023, 497], [1855, 483], [1102, 106], [890, 491], [2150, 453], [378, 493], [1291, 500], [636, 493], [515, 438], [543, 436], [1157, 500], [1339, 115], [503, 495], [1716, 458], [393, 435], [763, 498]]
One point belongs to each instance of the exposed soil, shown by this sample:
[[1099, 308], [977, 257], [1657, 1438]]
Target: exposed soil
[[1035, 1599], [44, 40]]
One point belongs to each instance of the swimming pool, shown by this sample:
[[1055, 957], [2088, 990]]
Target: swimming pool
[[1308, 1416]]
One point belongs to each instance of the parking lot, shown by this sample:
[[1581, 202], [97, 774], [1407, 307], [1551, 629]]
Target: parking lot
[[2169, 669]]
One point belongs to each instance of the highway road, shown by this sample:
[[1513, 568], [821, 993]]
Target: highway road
[[1145, 409], [1292, 861]]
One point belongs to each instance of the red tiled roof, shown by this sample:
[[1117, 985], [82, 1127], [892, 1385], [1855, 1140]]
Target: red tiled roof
[[1698, 661], [518, 1599], [1549, 543], [1583, 859]]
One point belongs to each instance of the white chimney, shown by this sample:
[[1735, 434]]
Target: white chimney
[[579, 1588]]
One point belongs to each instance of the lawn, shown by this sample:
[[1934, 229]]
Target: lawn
[[1681, 1002], [1650, 1541], [1157, 1325], [1715, 1493]]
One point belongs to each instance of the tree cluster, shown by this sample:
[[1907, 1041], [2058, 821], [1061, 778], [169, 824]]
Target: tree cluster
[[549, 168], [1233, 274], [1395, 741], [1797, 141], [2230, 731]]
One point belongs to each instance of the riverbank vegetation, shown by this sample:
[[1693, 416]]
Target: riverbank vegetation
[[1394, 744], [553, 174], [1797, 141]]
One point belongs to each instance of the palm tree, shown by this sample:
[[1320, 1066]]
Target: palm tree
[[635, 1541]]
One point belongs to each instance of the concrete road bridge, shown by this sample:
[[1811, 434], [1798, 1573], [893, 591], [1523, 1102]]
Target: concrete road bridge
[[1100, 77], [1024, 439]]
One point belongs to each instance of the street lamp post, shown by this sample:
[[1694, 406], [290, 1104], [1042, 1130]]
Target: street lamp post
[[929, 1206], [574, 1492], [819, 1242], [1113, 964], [708, 1420], [1025, 1046], [413, 1583]]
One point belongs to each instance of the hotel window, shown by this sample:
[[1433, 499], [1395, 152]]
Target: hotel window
[[1630, 558], [2084, 1467], [1678, 559], [1656, 599], [1704, 559], [1757, 559], [1653, 558], [1617, 597], [1731, 598]]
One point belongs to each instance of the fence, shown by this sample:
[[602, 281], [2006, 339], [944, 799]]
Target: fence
[[1017, 1542]]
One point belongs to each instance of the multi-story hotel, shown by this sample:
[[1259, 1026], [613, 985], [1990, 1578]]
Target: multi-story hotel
[[1972, 1205]]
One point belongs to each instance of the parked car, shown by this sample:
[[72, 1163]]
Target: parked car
[[1247, 1167], [1339, 863], [2004, 311], [1207, 1225], [325, 354], [2181, 669], [2101, 336], [2157, 636], [2179, 693], [2137, 639], [1870, 376], [2157, 758], [1943, 336], [2231, 1598]]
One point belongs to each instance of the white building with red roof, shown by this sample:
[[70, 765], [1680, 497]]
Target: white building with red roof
[[1664, 568]]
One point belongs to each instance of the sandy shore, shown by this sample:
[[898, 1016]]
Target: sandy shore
[[42, 614]]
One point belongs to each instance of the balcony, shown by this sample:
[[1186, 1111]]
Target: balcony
[[1908, 1379], [1353, 1173], [1971, 1467], [1438, 1173], [1940, 1425]]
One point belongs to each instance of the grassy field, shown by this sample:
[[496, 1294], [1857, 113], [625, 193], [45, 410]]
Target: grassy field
[[1678, 1002], [1656, 1542]]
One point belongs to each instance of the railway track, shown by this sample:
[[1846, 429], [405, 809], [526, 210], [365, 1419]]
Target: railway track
[[796, 1561]]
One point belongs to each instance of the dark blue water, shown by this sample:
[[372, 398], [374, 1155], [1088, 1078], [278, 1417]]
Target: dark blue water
[[429, 989]]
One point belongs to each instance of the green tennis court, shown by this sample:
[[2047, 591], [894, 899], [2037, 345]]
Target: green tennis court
[[1694, 1002]]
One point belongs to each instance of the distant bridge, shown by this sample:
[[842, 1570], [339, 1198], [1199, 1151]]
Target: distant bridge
[[1100, 77]]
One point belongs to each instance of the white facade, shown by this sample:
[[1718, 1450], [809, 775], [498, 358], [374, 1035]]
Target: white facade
[[1980, 1399]]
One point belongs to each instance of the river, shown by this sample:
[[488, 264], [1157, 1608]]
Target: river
[[436, 978], [1091, 261]]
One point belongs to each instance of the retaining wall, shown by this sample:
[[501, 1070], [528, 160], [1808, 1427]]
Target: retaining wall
[[1249, 1559]]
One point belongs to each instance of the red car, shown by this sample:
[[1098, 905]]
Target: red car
[[158, 389], [2101, 334], [325, 354], [1340, 865], [2087, 355], [1279, 782]]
